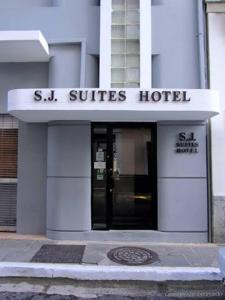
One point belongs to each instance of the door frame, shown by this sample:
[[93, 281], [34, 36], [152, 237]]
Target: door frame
[[109, 163]]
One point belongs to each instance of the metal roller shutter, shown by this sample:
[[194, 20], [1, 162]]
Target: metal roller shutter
[[8, 172]]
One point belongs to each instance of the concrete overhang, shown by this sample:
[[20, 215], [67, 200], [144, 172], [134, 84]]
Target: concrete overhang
[[23, 46], [44, 105]]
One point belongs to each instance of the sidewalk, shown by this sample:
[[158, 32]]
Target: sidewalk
[[176, 261]]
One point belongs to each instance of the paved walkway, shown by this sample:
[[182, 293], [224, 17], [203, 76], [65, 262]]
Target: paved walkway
[[182, 270], [15, 248]]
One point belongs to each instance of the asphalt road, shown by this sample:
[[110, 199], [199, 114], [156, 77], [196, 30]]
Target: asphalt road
[[67, 289], [34, 296]]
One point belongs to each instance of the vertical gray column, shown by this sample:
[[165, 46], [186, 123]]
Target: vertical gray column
[[69, 154], [182, 181], [31, 189], [32, 149], [65, 66], [68, 179]]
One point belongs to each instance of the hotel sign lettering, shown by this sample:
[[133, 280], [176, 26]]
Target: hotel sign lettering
[[186, 143], [152, 96]]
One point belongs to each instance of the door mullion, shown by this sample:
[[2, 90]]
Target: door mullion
[[109, 166]]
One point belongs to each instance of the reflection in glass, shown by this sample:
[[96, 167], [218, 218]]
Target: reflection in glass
[[123, 178], [99, 177], [132, 194]]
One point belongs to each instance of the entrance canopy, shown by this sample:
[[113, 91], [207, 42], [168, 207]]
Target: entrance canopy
[[115, 105]]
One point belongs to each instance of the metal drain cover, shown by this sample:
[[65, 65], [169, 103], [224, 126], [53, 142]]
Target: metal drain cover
[[132, 256]]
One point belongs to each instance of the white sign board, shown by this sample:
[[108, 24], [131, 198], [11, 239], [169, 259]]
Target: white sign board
[[99, 165], [126, 105]]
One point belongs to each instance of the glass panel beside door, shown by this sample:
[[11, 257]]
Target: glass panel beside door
[[99, 177], [124, 176]]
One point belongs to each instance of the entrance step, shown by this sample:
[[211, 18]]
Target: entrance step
[[132, 236]]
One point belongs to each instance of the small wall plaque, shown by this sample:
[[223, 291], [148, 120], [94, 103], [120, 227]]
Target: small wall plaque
[[186, 143]]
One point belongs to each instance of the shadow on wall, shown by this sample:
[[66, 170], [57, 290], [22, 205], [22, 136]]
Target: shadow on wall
[[63, 2], [25, 3], [157, 2]]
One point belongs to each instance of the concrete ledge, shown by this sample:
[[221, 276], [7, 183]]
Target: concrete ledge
[[23, 46], [222, 261], [131, 236], [83, 272]]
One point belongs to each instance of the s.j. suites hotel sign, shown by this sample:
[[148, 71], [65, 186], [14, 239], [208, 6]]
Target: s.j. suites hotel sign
[[112, 105], [113, 96]]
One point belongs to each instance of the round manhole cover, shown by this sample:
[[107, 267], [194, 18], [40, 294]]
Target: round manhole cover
[[132, 256]]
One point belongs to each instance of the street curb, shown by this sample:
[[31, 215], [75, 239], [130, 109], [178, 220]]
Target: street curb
[[87, 272]]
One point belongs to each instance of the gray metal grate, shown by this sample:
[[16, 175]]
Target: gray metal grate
[[59, 254], [8, 204], [132, 256]]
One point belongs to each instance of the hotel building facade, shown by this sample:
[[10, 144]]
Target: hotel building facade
[[108, 102]]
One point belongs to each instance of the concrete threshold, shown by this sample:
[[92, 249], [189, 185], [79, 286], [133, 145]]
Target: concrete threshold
[[112, 273], [134, 236]]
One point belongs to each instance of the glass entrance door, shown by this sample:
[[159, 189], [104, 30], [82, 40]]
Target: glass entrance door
[[124, 176]]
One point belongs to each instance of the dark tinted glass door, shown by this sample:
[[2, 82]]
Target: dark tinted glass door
[[124, 177], [99, 177]]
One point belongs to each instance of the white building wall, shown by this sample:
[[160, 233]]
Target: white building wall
[[145, 44], [105, 45], [216, 25]]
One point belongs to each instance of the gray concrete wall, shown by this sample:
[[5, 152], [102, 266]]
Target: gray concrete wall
[[175, 40], [69, 178], [71, 20], [69, 148], [18, 4], [178, 62], [71, 3], [71, 27], [31, 188], [65, 66], [218, 207], [182, 181], [92, 71], [72, 30], [21, 75]]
